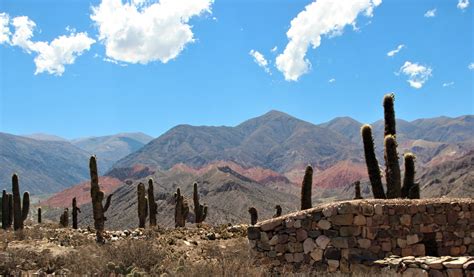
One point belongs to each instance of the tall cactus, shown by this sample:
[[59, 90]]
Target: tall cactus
[[142, 205], [414, 192], [409, 176], [75, 211], [277, 211], [153, 207], [392, 168], [389, 114], [373, 168], [358, 195], [5, 210], [19, 213], [97, 197], [253, 215], [10, 209], [200, 211], [39, 215], [181, 209], [306, 188]]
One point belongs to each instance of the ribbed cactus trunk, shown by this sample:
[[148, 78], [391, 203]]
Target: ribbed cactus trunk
[[373, 168], [39, 215], [64, 218], [97, 197], [306, 188], [142, 205], [5, 210], [392, 168], [253, 215], [389, 114], [414, 192], [19, 213], [75, 211], [181, 209], [10, 209], [358, 195], [200, 211], [409, 176], [152, 206], [277, 211], [26, 206]]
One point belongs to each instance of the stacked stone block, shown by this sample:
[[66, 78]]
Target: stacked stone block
[[343, 234]]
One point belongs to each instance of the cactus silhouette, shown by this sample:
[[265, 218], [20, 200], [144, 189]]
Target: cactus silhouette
[[19, 214], [153, 207], [10, 209], [409, 175], [414, 192], [5, 210], [389, 114], [253, 215], [357, 190], [373, 168], [97, 197], [181, 209], [277, 211], [64, 218], [142, 205], [392, 168], [200, 211], [39, 215], [75, 211], [306, 188]]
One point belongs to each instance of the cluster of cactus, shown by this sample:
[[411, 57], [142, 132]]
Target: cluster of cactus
[[306, 188], [75, 211], [200, 211], [181, 210], [97, 197], [146, 204], [64, 218], [13, 211], [392, 167]]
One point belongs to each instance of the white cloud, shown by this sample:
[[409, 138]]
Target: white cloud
[[274, 49], [395, 51], [322, 17], [471, 66], [430, 13], [51, 56], [417, 74], [463, 4], [332, 80], [4, 29], [450, 84], [260, 60], [146, 31]]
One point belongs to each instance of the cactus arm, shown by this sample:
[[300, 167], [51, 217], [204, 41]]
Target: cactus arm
[[107, 202]]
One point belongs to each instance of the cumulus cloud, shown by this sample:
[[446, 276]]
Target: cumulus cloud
[[51, 57], [449, 84], [322, 17], [417, 74], [471, 66], [332, 80], [395, 51], [146, 31], [463, 4], [430, 13], [259, 59], [4, 29], [274, 49]]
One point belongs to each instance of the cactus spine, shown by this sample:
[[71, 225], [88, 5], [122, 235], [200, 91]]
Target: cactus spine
[[389, 114], [409, 176], [306, 188], [253, 215], [39, 215], [19, 213], [181, 209], [373, 168], [153, 207], [75, 211], [392, 168], [357, 190], [64, 218], [142, 205], [97, 197], [277, 211], [200, 211]]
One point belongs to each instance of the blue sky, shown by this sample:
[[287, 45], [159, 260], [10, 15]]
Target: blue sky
[[214, 80]]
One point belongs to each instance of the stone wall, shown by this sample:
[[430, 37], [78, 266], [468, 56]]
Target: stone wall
[[338, 235]]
